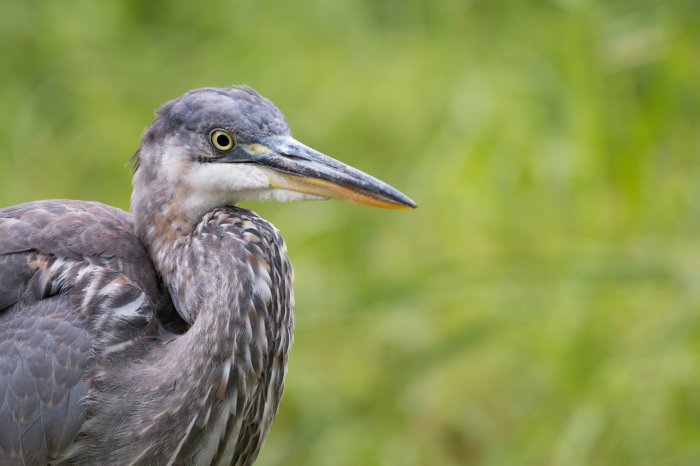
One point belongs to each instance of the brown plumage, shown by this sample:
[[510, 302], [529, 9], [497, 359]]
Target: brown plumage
[[161, 336]]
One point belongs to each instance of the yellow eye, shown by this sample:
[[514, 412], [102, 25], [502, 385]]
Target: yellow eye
[[222, 140]]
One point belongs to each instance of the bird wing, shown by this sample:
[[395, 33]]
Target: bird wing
[[62, 264]]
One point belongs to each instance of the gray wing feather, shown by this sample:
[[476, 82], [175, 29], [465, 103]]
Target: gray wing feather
[[70, 229], [46, 340], [44, 352]]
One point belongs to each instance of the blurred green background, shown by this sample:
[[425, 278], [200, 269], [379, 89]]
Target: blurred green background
[[541, 307]]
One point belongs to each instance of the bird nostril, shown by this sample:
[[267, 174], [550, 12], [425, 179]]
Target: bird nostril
[[294, 156]]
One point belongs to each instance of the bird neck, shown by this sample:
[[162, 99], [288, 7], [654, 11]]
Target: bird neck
[[231, 279], [180, 253], [159, 220], [164, 204], [219, 264], [221, 271]]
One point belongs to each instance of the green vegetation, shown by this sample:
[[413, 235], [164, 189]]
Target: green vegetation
[[541, 307]]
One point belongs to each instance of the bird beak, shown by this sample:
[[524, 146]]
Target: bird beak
[[297, 167]]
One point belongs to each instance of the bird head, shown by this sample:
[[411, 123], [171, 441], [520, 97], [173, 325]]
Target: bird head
[[214, 147]]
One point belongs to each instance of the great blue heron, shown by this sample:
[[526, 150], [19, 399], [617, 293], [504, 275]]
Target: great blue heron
[[161, 336]]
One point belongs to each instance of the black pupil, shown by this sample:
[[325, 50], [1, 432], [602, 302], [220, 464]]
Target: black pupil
[[222, 140]]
